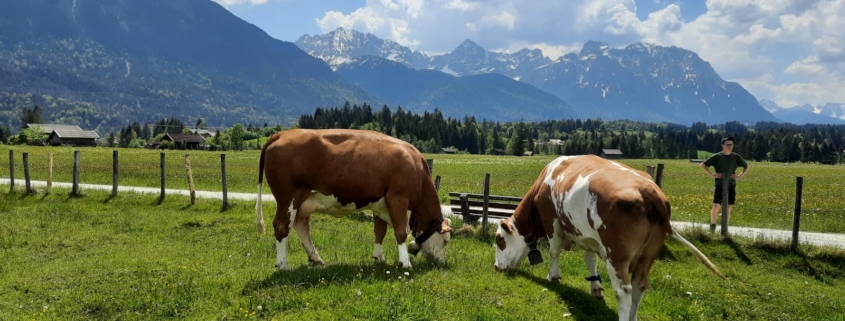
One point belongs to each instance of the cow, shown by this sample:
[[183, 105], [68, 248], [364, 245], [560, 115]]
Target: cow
[[609, 209], [338, 172]]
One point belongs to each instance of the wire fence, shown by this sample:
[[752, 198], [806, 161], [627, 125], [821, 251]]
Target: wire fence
[[765, 197]]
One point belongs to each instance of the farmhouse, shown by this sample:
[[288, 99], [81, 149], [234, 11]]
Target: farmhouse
[[497, 151], [446, 150], [73, 138], [611, 153], [185, 141]]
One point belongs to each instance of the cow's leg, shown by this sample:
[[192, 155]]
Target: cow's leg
[[556, 245], [398, 207], [281, 226], [618, 273], [591, 260], [380, 229], [640, 283], [302, 225]]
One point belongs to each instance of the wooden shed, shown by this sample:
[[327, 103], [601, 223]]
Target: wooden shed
[[611, 153], [446, 150], [185, 141], [73, 138]]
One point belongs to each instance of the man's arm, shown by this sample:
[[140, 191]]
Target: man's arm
[[744, 171], [707, 170]]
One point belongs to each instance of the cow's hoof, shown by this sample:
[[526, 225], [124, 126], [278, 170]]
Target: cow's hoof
[[318, 261], [553, 279], [408, 267], [379, 259], [597, 292], [282, 267]]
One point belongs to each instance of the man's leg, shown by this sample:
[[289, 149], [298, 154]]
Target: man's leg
[[714, 215]]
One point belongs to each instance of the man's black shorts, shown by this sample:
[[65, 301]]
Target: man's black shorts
[[717, 194]]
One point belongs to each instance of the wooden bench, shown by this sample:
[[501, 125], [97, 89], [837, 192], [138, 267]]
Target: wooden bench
[[471, 206]]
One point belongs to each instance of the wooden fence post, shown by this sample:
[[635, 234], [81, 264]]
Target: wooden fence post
[[796, 218], [465, 208], [225, 186], [11, 171], [649, 169], [114, 175], [430, 165], [190, 178], [486, 203], [437, 183], [659, 179], [75, 189], [725, 203], [26, 173], [49, 173], [161, 197]]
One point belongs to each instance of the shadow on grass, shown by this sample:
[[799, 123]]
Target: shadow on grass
[[110, 198], [821, 265], [307, 276], [578, 300], [740, 253]]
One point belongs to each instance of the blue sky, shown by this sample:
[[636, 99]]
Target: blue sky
[[789, 51]]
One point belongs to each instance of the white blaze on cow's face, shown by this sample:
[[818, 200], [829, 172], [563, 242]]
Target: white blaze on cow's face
[[434, 248], [511, 248]]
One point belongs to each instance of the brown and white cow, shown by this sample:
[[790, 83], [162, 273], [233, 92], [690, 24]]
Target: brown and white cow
[[611, 210], [338, 172]]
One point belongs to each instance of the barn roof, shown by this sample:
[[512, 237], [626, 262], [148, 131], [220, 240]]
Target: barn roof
[[187, 138], [49, 128], [75, 134], [608, 151]]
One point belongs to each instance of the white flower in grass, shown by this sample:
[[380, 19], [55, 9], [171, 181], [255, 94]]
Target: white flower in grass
[[259, 308], [388, 272], [407, 274]]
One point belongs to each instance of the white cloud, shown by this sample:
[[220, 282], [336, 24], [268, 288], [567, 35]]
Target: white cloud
[[785, 50]]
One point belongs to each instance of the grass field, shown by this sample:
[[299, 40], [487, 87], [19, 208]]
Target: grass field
[[128, 258], [766, 196]]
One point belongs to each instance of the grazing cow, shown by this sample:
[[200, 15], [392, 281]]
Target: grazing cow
[[339, 172], [611, 210]]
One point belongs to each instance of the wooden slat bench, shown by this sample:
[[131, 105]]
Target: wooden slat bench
[[471, 206]]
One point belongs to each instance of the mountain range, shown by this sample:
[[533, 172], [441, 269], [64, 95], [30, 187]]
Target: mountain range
[[640, 82], [101, 64], [830, 113]]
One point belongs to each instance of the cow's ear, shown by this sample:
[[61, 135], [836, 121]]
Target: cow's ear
[[506, 226], [446, 226]]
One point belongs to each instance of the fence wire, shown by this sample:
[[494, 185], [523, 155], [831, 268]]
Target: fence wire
[[765, 197]]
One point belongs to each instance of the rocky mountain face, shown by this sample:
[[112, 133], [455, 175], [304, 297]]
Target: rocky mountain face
[[640, 82], [486, 96], [103, 63]]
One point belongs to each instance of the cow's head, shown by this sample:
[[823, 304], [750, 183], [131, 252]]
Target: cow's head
[[512, 247], [433, 241]]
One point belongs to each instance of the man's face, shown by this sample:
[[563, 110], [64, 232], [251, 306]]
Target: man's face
[[728, 147]]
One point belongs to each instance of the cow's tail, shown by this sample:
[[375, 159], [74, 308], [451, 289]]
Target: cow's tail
[[259, 213], [699, 255], [665, 213]]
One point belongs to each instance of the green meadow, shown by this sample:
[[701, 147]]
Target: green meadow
[[95, 257]]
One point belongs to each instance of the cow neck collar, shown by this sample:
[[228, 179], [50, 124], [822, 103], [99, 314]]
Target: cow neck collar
[[427, 233], [528, 222]]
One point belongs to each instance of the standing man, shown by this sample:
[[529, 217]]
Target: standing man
[[723, 162]]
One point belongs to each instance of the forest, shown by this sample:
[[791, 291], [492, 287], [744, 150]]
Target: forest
[[431, 131]]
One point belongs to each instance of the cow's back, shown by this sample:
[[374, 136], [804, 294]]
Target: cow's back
[[352, 165], [598, 199]]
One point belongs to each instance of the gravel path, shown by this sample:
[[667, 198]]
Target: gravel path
[[818, 239]]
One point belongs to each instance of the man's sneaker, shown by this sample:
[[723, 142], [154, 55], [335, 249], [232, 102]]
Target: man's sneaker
[[712, 228]]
